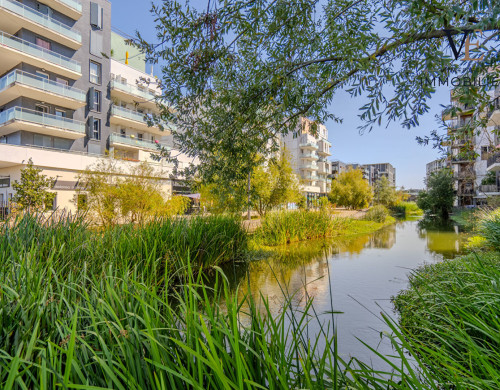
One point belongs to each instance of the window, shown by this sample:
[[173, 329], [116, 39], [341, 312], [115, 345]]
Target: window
[[96, 15], [123, 133], [140, 136], [96, 129], [42, 109], [60, 113], [61, 81], [96, 102], [95, 72], [42, 75], [42, 43], [42, 8]]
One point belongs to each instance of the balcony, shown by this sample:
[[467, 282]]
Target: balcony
[[494, 162], [489, 189], [129, 92], [18, 83], [70, 8], [324, 167], [309, 156], [18, 118], [309, 166], [457, 124], [131, 143], [494, 114], [136, 120], [14, 50], [15, 15], [324, 148], [309, 146]]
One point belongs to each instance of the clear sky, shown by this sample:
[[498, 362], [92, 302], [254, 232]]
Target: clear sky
[[392, 144]]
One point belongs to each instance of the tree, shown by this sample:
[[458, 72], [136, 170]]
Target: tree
[[32, 190], [110, 196], [240, 73], [384, 193], [440, 195], [350, 190], [274, 183]]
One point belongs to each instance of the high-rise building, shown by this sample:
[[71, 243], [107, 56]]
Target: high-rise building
[[375, 171], [71, 93], [309, 151], [435, 166], [472, 156]]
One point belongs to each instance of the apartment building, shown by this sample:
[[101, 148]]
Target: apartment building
[[69, 95], [309, 152], [375, 171], [339, 167], [471, 157], [435, 166]]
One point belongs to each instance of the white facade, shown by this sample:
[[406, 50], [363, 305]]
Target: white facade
[[309, 157]]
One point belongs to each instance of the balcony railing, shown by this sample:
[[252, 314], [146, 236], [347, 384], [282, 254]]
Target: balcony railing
[[309, 165], [39, 52], [456, 124], [18, 76], [488, 188], [44, 20], [309, 145], [129, 114], [310, 155], [39, 118], [137, 142], [75, 4], [133, 90]]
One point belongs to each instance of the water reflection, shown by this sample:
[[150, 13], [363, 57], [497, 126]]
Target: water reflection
[[356, 276]]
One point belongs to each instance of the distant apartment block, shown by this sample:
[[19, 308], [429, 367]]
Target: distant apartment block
[[70, 94], [435, 166], [371, 172], [309, 158]]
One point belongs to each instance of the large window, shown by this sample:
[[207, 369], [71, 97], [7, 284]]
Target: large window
[[42, 43], [97, 101], [95, 72], [96, 129]]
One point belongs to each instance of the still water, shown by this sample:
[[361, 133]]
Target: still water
[[355, 276]]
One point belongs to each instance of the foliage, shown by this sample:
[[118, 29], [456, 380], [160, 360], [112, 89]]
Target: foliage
[[451, 310], [32, 190], [351, 190], [489, 229], [302, 202], [440, 194], [468, 219], [176, 205], [489, 179], [493, 201], [283, 227], [218, 198], [377, 213], [406, 209], [274, 183], [324, 203], [109, 196], [257, 67], [384, 193]]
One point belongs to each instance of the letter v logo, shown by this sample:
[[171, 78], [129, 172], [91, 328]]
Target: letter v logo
[[456, 52]]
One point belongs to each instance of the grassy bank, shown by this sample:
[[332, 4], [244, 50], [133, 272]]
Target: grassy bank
[[284, 227]]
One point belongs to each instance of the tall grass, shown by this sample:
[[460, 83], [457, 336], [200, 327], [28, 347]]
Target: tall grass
[[283, 227], [406, 209]]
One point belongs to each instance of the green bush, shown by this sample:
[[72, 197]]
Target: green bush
[[406, 209], [377, 213]]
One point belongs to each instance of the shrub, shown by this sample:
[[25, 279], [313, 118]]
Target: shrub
[[489, 228], [377, 213], [283, 227]]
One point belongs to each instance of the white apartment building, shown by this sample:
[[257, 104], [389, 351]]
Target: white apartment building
[[435, 166], [70, 96], [309, 158]]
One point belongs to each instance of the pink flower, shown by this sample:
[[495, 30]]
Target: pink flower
[[156, 141]]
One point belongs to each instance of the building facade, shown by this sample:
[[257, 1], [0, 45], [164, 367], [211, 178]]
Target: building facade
[[376, 171], [309, 151], [70, 96], [435, 166], [472, 156]]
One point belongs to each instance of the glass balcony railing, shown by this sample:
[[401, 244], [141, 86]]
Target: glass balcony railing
[[132, 141], [309, 145], [40, 118], [39, 52], [75, 4], [41, 83], [44, 20], [129, 114], [146, 94], [310, 155]]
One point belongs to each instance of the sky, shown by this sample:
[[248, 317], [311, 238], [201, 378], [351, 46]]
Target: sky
[[392, 144]]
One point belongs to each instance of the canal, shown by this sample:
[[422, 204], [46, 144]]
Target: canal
[[355, 276]]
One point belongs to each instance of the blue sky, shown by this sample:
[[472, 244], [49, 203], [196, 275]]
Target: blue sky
[[392, 144]]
